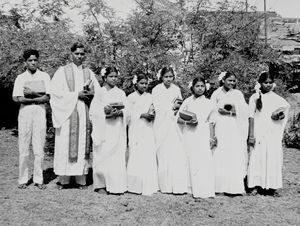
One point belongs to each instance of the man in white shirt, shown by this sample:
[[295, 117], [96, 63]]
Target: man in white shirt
[[72, 89], [31, 90]]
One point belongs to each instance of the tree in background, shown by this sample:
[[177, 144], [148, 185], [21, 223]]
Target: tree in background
[[226, 39], [192, 38], [40, 27]]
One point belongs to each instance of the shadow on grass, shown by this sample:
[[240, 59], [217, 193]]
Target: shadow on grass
[[49, 175]]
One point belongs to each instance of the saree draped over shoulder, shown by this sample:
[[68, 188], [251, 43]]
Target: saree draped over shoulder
[[196, 143], [109, 142], [171, 156], [142, 164], [265, 165], [230, 156]]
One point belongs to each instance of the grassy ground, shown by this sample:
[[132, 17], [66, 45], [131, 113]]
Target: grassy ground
[[85, 207]]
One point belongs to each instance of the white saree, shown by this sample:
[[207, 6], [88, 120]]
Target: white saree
[[142, 164], [171, 156], [196, 142], [109, 142], [230, 156], [265, 165]]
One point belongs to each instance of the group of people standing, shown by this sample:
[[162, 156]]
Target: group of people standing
[[197, 145]]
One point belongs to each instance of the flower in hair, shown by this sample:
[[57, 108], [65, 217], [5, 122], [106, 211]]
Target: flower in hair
[[190, 84], [207, 85], [134, 80], [222, 75], [158, 74], [103, 71], [175, 73], [257, 87]]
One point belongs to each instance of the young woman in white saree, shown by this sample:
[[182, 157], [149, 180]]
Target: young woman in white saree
[[142, 164], [198, 134], [171, 156], [267, 118], [109, 136], [230, 155]]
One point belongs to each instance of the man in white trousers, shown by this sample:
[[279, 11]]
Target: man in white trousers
[[31, 91], [72, 89]]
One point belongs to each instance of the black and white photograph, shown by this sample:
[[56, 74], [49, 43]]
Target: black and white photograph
[[150, 112]]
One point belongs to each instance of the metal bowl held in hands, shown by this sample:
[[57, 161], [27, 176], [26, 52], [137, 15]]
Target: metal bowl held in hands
[[118, 106], [187, 115]]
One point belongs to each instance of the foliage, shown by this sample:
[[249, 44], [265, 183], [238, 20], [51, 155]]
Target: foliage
[[228, 39], [29, 27], [143, 43], [194, 40], [292, 134]]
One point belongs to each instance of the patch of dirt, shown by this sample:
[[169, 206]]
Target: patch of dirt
[[85, 207]]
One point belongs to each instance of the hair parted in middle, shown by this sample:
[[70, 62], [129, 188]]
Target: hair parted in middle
[[194, 82], [110, 69], [141, 76], [227, 74], [164, 71], [261, 79]]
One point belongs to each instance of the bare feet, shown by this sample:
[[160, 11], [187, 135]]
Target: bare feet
[[40, 186], [273, 192], [101, 191], [82, 187], [61, 186], [22, 186], [198, 199], [254, 192]]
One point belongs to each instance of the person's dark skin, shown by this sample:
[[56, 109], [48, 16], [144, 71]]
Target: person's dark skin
[[78, 57], [31, 97], [142, 86], [266, 87], [199, 89], [168, 78], [110, 82], [229, 84]]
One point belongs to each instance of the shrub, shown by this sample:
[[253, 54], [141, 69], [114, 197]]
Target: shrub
[[291, 136]]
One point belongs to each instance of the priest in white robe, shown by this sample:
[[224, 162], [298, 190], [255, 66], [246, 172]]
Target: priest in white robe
[[72, 89]]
